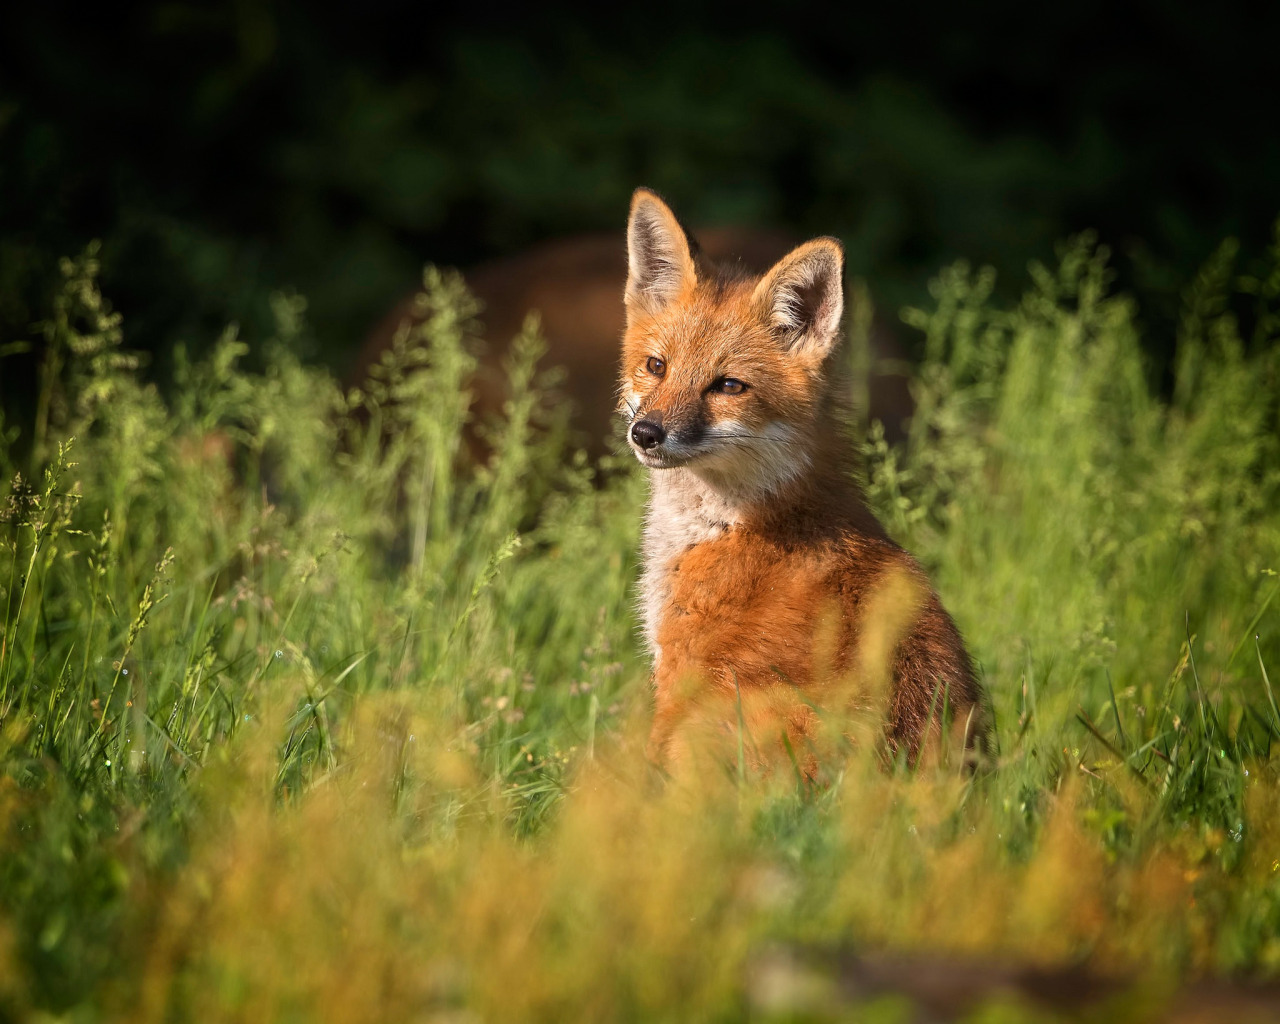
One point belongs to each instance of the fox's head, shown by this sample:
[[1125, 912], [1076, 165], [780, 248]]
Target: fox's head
[[724, 374]]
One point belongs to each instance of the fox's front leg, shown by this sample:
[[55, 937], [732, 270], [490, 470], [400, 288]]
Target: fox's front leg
[[697, 712], [666, 715], [682, 699]]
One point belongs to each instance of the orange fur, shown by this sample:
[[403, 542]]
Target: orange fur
[[773, 600]]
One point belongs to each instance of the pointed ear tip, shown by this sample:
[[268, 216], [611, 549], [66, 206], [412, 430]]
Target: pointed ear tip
[[832, 245], [644, 195], [822, 251]]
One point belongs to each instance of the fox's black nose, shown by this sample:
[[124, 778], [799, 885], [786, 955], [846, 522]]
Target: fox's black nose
[[647, 434]]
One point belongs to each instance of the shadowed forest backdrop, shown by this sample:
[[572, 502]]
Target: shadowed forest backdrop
[[225, 151]]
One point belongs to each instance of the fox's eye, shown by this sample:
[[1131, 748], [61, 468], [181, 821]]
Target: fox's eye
[[655, 366], [729, 386]]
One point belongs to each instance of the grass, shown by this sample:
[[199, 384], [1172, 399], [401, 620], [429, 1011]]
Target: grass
[[309, 714]]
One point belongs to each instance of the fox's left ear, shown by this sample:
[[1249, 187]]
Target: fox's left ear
[[802, 298], [660, 265]]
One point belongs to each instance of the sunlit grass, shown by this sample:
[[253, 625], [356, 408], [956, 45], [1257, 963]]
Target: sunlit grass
[[311, 713]]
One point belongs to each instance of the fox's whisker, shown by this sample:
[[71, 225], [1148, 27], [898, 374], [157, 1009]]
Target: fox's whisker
[[784, 441]]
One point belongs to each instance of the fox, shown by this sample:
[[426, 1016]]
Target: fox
[[771, 599]]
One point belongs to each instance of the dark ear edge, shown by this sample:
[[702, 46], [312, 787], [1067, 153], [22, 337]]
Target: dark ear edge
[[660, 255], [802, 297]]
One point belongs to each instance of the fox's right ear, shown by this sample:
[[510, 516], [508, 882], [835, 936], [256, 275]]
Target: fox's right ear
[[660, 264]]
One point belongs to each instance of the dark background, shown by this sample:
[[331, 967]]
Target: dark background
[[225, 150]]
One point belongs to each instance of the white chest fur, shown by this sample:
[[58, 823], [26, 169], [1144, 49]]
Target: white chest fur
[[684, 510]]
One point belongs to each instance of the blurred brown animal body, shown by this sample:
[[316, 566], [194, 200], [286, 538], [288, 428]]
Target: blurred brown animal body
[[575, 285], [769, 592]]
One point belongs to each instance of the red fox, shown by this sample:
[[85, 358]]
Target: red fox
[[770, 595]]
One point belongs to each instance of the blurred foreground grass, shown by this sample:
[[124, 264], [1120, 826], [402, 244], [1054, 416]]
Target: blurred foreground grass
[[307, 716]]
